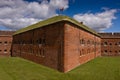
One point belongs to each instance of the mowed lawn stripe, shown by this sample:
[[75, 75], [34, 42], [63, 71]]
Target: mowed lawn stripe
[[101, 68]]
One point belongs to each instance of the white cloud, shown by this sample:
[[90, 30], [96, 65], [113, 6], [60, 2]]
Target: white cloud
[[16, 14], [17, 23], [98, 21], [59, 3]]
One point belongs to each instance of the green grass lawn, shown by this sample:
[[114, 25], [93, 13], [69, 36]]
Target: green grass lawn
[[103, 68]]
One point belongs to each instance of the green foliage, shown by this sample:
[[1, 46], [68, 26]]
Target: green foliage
[[103, 68]]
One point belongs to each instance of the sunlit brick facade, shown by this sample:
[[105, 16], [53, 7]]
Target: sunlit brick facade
[[5, 43]]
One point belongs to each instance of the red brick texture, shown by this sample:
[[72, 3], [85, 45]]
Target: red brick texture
[[58, 46], [80, 46], [42, 45], [5, 43], [110, 44]]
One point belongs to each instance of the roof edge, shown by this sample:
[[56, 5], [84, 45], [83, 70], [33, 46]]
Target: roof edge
[[55, 19]]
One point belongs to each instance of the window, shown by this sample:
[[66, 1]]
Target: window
[[119, 51], [39, 52], [43, 41], [5, 42], [39, 41], [119, 44], [43, 53], [30, 42], [115, 51], [88, 51], [5, 51], [105, 52], [105, 43], [88, 42], [80, 53], [116, 44], [110, 43], [82, 42]]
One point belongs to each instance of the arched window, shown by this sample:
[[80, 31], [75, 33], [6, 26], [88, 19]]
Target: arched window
[[105, 43], [105, 52]]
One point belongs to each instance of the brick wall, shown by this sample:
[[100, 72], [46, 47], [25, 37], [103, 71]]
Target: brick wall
[[5, 45], [62, 46], [5, 42], [80, 46], [42, 45], [110, 44]]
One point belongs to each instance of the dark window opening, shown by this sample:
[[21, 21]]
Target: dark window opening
[[110, 43], [115, 51], [5, 42], [82, 41], [43, 41], [105, 43], [116, 44], [39, 41], [105, 50], [5, 51]]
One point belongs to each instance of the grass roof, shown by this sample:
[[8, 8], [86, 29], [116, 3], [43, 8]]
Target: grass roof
[[54, 20]]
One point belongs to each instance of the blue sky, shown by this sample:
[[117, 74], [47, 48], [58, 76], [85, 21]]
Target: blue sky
[[101, 15]]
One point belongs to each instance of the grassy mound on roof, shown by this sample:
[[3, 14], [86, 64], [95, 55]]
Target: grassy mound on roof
[[54, 20]]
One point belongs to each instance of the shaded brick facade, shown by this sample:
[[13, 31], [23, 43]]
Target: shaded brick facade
[[5, 42], [43, 45]]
